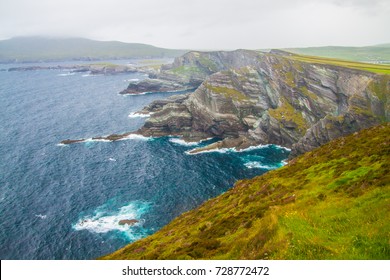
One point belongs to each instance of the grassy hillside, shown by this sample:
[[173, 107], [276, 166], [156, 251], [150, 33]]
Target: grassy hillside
[[331, 203], [379, 53], [30, 49]]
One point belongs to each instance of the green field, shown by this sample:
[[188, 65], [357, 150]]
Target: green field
[[375, 68], [374, 54]]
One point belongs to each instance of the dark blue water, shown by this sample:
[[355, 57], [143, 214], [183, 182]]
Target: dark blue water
[[65, 202]]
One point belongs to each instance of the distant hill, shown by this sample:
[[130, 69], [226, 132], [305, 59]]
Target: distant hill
[[33, 49], [373, 54], [331, 203]]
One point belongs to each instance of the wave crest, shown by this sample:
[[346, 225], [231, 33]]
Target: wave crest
[[104, 220]]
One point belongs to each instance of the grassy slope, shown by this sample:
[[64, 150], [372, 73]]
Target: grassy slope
[[331, 203], [49, 49], [372, 53]]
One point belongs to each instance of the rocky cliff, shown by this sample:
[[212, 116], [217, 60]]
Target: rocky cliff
[[250, 98], [190, 70]]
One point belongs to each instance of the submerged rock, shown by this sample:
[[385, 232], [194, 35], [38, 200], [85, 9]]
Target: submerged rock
[[129, 222], [70, 141]]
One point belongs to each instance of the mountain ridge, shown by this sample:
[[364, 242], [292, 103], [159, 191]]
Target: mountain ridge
[[35, 49]]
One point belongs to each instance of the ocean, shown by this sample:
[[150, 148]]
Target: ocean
[[65, 202]]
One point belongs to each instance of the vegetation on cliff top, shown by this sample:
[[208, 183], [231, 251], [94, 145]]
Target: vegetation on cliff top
[[378, 53], [374, 68], [331, 203]]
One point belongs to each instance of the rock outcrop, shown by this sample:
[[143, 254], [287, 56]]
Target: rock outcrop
[[153, 85], [190, 70]]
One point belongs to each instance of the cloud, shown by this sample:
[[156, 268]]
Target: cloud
[[222, 24]]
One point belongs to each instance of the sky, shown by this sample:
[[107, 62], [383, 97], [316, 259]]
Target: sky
[[203, 24]]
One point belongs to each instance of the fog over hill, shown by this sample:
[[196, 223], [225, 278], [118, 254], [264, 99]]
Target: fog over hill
[[33, 49]]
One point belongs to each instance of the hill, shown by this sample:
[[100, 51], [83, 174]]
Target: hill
[[330, 203], [373, 54], [33, 49]]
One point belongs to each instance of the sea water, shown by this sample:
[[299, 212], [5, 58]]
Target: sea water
[[66, 201]]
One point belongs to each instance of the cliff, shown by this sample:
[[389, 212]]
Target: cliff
[[248, 98], [190, 70], [330, 203], [251, 98]]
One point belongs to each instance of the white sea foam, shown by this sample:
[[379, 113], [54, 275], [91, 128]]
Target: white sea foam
[[61, 145], [66, 74], [136, 137], [138, 115], [131, 80], [96, 140], [41, 216], [251, 148], [181, 142], [128, 137], [103, 220], [234, 150], [91, 75], [282, 148], [207, 139], [141, 93], [216, 150], [255, 164]]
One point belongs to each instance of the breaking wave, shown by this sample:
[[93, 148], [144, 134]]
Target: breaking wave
[[104, 220]]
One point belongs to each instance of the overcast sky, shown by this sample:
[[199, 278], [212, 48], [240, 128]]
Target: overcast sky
[[203, 24]]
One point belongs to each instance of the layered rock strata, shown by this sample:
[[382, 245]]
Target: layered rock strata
[[249, 98]]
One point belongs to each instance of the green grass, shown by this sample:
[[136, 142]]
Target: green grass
[[374, 68], [230, 93], [331, 203], [186, 71], [286, 112], [208, 64], [377, 53]]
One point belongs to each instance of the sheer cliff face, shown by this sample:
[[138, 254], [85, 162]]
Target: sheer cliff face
[[272, 98]]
